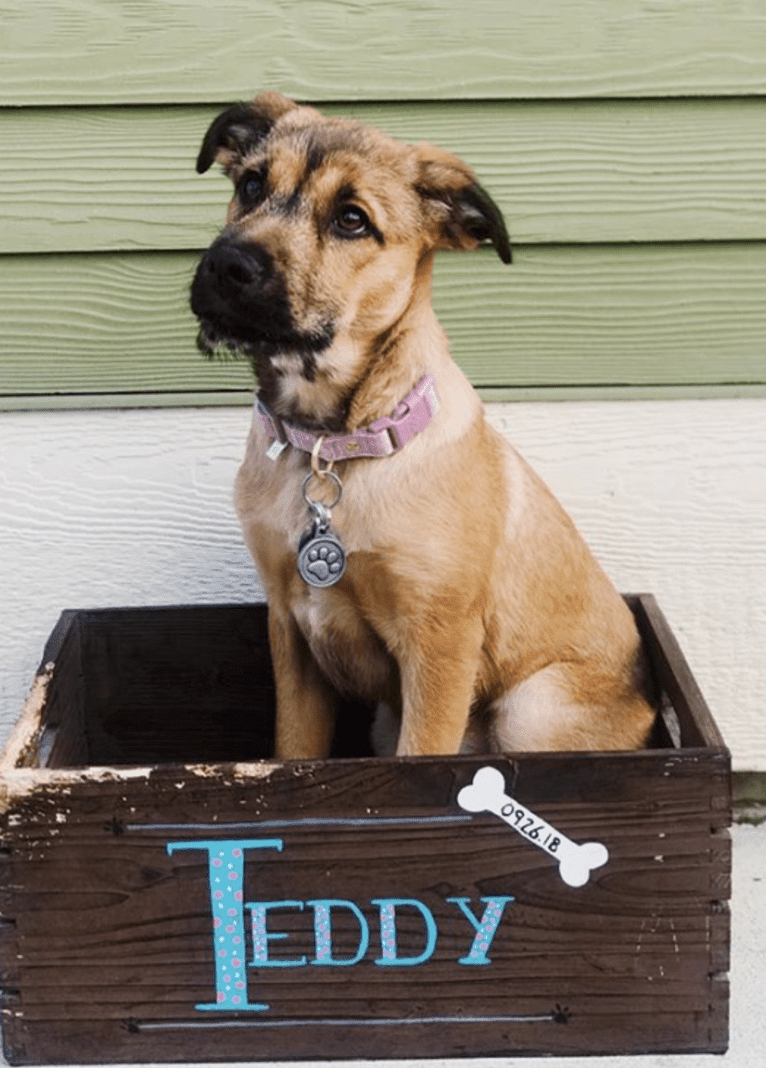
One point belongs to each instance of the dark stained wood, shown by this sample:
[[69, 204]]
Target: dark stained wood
[[107, 943], [673, 674], [63, 742], [181, 685]]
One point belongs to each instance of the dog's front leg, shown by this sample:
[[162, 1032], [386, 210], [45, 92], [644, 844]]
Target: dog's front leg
[[438, 679], [305, 702]]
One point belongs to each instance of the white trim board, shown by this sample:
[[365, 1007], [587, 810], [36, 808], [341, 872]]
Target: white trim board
[[118, 507]]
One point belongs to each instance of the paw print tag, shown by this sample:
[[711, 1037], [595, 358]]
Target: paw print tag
[[321, 557], [321, 560]]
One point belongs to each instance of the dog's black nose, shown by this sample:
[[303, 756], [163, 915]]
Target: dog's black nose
[[235, 269]]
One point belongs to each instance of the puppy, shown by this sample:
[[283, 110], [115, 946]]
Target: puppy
[[430, 571]]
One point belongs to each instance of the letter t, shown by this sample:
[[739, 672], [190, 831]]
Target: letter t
[[226, 868]]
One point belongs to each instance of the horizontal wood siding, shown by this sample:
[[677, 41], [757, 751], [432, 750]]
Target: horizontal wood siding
[[585, 316], [599, 171], [150, 51], [623, 141]]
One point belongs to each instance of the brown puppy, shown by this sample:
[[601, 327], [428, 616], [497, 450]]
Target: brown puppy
[[470, 610]]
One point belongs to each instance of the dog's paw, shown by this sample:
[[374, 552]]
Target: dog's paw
[[323, 561]]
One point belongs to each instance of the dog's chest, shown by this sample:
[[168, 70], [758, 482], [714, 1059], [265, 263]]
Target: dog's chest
[[344, 646]]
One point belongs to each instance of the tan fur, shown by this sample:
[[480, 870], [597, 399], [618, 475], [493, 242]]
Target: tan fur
[[471, 609]]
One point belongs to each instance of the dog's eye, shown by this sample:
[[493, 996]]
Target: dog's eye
[[251, 189], [352, 221]]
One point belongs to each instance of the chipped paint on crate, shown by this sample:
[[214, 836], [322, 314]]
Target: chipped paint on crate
[[104, 860]]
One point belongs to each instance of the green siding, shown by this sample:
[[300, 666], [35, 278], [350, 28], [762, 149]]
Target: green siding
[[582, 316], [172, 51], [80, 179], [639, 224]]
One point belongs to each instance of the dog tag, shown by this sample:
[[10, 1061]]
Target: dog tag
[[321, 557], [276, 449]]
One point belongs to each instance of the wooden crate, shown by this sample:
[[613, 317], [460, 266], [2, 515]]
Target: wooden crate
[[171, 894]]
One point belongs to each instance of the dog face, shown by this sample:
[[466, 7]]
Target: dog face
[[329, 239]]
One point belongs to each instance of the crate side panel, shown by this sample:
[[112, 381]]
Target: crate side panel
[[252, 1040], [674, 675], [178, 685], [170, 685], [64, 738], [116, 936], [14, 1036]]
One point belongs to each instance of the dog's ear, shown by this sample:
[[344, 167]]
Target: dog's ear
[[465, 213], [240, 128]]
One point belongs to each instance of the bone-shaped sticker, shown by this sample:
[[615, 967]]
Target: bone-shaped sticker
[[487, 794]]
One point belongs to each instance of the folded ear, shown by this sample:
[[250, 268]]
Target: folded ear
[[464, 212], [240, 128]]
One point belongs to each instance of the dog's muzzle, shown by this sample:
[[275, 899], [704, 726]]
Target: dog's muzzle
[[237, 274], [240, 299], [236, 296]]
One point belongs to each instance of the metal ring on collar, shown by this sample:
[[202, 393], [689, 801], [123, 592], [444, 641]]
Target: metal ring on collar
[[315, 468], [325, 474]]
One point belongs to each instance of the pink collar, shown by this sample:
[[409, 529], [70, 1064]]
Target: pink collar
[[384, 437]]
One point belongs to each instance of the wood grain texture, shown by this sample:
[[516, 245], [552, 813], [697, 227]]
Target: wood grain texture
[[59, 51], [93, 179], [113, 971], [586, 316], [113, 930], [105, 323]]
